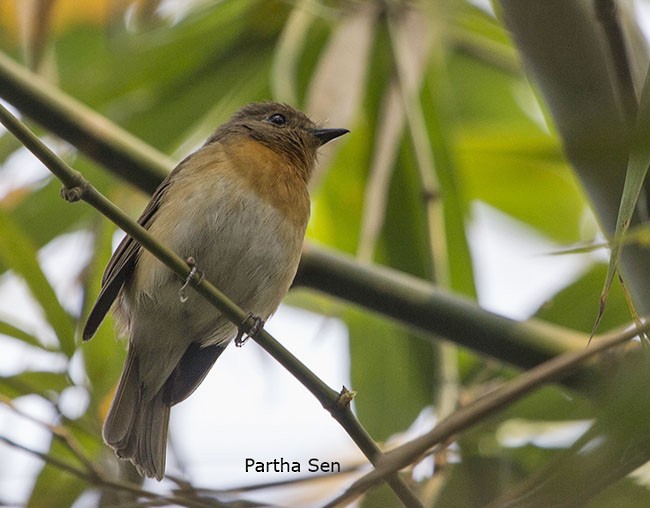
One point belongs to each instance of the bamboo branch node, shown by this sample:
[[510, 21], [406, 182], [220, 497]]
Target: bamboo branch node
[[345, 397], [72, 194]]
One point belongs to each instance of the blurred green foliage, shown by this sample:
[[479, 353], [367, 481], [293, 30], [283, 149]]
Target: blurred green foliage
[[170, 80]]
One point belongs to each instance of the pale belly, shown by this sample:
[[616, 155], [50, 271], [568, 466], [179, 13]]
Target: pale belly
[[245, 247]]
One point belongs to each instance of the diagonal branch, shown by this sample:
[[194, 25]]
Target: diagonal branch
[[91, 133], [477, 411], [421, 305], [77, 188]]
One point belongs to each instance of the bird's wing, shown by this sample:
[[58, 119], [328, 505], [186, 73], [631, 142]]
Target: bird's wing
[[190, 371], [122, 264]]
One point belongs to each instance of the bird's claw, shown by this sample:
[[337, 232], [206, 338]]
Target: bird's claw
[[194, 270], [252, 330]]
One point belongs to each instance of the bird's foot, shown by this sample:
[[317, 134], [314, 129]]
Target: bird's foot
[[248, 330], [196, 275]]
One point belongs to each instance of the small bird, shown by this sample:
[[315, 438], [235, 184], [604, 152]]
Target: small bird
[[237, 208]]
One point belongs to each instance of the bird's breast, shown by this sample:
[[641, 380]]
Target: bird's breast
[[245, 239], [271, 175]]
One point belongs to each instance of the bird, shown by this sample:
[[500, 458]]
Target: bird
[[237, 209]]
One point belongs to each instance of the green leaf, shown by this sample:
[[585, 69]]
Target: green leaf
[[406, 222], [18, 252], [21, 335], [637, 170], [67, 491], [8, 145], [159, 96], [338, 202], [393, 373], [28, 382], [476, 481], [574, 306], [520, 171], [379, 496], [626, 492], [436, 100], [46, 202], [56, 488]]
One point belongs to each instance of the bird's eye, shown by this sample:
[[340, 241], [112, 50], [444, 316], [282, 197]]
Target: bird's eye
[[277, 119]]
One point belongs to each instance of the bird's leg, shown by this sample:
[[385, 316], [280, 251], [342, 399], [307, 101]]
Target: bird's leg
[[251, 330], [194, 270]]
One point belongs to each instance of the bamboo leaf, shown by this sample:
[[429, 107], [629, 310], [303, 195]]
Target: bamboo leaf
[[21, 335], [28, 382], [393, 373], [637, 170], [570, 307], [55, 487], [17, 251]]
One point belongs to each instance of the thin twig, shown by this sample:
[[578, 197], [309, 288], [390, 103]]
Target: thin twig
[[411, 44], [59, 433], [375, 198], [297, 480], [101, 481], [58, 463], [77, 188], [477, 411]]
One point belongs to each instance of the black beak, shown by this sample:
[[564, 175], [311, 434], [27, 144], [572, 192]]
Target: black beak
[[325, 135]]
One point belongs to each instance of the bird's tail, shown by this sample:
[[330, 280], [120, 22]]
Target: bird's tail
[[136, 426]]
